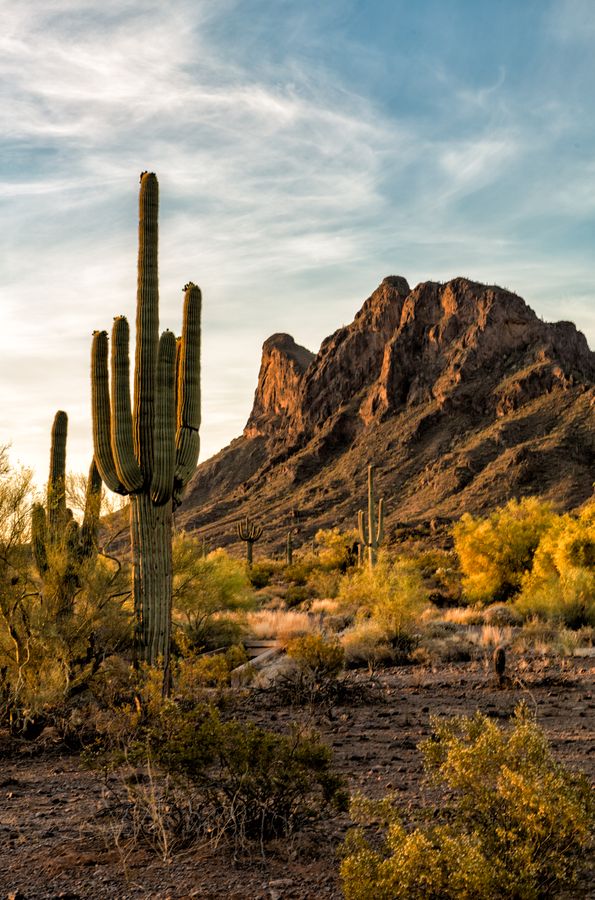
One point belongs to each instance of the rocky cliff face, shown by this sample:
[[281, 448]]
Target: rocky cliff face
[[458, 392]]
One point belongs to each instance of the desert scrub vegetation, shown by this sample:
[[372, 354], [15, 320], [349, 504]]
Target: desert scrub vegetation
[[539, 563], [207, 778], [496, 552], [511, 822], [49, 650], [205, 589], [386, 601], [561, 584]]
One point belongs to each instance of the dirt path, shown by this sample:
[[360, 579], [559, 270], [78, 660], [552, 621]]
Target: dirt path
[[53, 843]]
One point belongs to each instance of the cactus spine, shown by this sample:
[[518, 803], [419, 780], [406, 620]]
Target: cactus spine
[[149, 449], [249, 532], [59, 546], [372, 535]]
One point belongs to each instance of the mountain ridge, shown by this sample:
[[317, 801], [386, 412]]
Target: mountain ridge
[[458, 392]]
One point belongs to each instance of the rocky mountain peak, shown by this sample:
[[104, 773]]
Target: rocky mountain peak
[[282, 367], [460, 393]]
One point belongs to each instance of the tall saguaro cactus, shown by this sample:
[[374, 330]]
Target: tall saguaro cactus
[[250, 532], [60, 547], [149, 449], [372, 535]]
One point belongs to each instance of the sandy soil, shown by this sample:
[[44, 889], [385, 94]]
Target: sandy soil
[[54, 842]]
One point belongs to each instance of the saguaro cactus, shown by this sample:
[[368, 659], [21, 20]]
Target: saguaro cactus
[[149, 450], [371, 537], [60, 547], [250, 532], [289, 550]]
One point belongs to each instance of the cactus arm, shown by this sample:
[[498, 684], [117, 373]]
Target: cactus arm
[[188, 388], [362, 528], [56, 492], [90, 526], [127, 468], [255, 533], [39, 538], [164, 454], [380, 528], [100, 403], [242, 529], [147, 324]]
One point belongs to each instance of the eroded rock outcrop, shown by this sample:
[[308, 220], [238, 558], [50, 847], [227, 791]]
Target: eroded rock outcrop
[[458, 392]]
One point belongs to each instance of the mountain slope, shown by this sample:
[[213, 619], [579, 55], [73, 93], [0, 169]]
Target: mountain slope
[[458, 392]]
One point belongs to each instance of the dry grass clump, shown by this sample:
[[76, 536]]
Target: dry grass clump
[[282, 624], [463, 615], [490, 636]]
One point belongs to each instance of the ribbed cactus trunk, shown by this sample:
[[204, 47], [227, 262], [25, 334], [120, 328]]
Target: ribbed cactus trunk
[[151, 533], [149, 450]]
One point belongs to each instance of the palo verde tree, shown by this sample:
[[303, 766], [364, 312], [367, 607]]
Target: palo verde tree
[[149, 450]]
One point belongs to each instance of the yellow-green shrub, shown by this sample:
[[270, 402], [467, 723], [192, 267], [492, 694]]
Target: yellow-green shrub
[[561, 585], [392, 594], [512, 821], [204, 586], [496, 552]]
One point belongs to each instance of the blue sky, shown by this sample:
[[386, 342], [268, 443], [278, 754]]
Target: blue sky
[[304, 151]]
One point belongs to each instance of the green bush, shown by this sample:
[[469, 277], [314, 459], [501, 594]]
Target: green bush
[[511, 822], [247, 782], [496, 552], [261, 573], [203, 586]]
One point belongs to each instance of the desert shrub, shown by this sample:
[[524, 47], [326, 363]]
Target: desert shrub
[[311, 675], [502, 614], [204, 586], [245, 781], [324, 584], [561, 584], [261, 573], [496, 552], [296, 594], [512, 821], [392, 595], [321, 655], [46, 658], [441, 575], [335, 548], [298, 572], [366, 644], [194, 672]]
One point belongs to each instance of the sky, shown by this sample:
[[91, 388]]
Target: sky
[[304, 151]]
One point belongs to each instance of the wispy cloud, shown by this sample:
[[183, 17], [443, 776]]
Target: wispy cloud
[[289, 188]]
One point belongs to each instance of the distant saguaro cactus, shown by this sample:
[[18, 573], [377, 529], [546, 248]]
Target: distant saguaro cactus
[[289, 550], [59, 546], [149, 451], [250, 533], [499, 660], [372, 535]]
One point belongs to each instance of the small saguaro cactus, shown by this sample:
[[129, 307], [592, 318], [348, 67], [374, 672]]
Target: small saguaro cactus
[[149, 449], [371, 537], [60, 546], [289, 550], [499, 660], [249, 532]]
